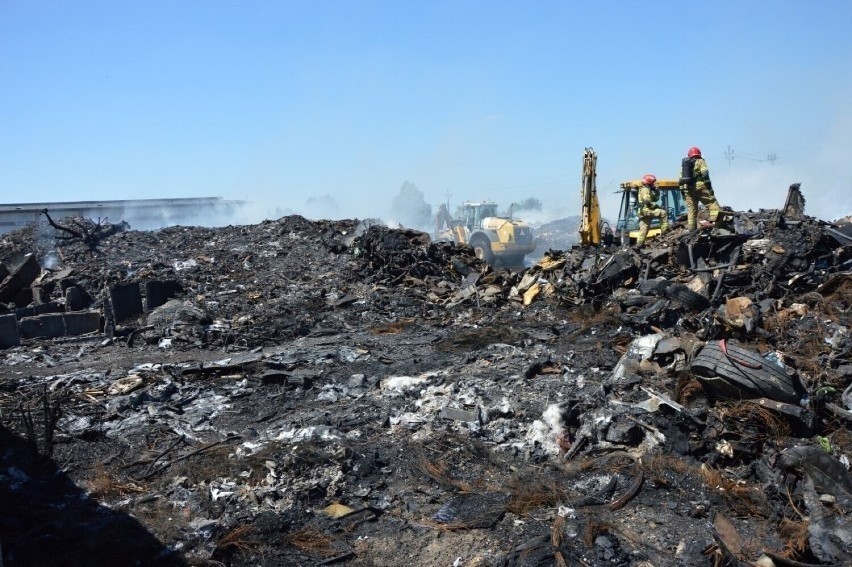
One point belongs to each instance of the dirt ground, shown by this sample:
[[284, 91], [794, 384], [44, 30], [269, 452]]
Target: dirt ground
[[339, 392]]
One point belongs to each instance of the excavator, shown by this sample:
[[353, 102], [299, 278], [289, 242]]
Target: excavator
[[671, 199], [595, 231], [494, 238]]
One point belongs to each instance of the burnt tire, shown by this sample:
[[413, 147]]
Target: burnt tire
[[637, 300], [676, 292], [652, 287], [744, 374], [686, 297]]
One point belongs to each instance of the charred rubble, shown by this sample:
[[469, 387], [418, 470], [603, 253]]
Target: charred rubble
[[309, 393]]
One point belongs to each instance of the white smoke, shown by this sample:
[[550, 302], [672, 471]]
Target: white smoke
[[552, 210], [46, 241], [822, 169], [826, 187]]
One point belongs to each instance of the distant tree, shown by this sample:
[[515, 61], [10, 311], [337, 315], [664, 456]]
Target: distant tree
[[410, 209], [528, 204]]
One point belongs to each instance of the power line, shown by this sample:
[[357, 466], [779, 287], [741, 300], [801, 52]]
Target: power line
[[729, 156]]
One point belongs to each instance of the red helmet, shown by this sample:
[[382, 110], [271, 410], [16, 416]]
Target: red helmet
[[693, 152], [649, 179]]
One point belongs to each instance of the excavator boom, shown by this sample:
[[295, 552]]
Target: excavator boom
[[590, 215]]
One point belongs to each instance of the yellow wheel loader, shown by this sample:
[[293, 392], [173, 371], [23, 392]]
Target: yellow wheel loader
[[493, 238]]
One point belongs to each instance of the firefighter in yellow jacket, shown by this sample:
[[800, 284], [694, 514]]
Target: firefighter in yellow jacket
[[649, 208], [696, 187]]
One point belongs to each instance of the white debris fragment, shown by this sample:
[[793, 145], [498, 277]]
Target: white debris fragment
[[408, 420], [566, 512], [547, 431], [400, 383], [725, 448], [125, 385], [180, 265], [216, 493], [638, 350], [553, 417], [249, 448], [322, 432]]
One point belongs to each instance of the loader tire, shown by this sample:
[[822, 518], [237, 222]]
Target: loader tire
[[744, 374], [482, 250]]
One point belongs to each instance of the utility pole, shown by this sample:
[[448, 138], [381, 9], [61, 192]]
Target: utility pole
[[448, 198], [729, 155], [771, 158]]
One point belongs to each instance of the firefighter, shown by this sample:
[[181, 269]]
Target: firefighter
[[696, 187], [649, 208]]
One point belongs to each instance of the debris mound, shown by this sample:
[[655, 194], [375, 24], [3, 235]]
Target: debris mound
[[318, 392]]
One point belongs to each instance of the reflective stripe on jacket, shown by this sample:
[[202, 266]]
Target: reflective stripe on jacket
[[700, 173]]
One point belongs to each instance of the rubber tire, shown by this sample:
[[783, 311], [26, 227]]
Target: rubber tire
[[723, 375], [482, 250], [675, 292], [686, 297], [652, 287], [637, 300]]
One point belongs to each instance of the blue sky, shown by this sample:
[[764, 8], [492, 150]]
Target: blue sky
[[278, 102]]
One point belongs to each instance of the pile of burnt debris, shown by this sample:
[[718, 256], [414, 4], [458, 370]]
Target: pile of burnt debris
[[309, 393]]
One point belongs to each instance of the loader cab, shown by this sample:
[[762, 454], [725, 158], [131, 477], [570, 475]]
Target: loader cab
[[671, 199], [474, 213]]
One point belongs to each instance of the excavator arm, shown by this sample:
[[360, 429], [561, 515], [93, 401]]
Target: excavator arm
[[590, 213], [443, 220]]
